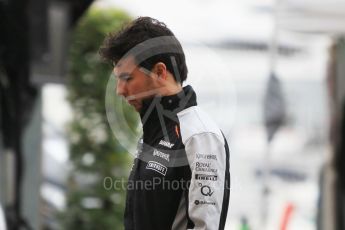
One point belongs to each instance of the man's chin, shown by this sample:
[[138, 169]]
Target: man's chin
[[136, 106], [138, 109]]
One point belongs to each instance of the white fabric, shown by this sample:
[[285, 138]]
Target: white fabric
[[204, 146]]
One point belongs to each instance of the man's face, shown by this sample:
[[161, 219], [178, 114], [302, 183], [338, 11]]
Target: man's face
[[133, 83]]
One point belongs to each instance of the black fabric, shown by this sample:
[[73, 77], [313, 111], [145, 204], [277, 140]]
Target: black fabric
[[340, 152], [156, 208], [227, 182], [339, 161]]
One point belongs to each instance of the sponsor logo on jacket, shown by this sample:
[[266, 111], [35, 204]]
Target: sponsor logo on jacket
[[206, 177], [155, 166], [161, 155], [202, 202], [206, 156], [204, 167], [166, 144], [205, 190]]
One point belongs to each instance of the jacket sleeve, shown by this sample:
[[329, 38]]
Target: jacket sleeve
[[208, 195]]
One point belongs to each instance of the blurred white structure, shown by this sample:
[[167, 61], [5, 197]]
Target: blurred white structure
[[2, 220], [312, 16]]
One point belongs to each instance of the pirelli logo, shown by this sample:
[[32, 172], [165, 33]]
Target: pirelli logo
[[206, 177], [155, 166]]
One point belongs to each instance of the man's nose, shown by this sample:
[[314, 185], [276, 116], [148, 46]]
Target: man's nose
[[121, 88]]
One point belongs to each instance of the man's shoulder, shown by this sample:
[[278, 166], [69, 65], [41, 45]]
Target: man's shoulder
[[194, 121]]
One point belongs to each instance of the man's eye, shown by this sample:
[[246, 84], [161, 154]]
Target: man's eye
[[125, 78], [128, 78]]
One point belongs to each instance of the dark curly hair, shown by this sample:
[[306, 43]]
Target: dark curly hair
[[134, 35]]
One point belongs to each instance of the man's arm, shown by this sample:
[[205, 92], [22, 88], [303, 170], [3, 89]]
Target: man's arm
[[208, 194]]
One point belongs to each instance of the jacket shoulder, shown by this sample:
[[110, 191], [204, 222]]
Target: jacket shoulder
[[194, 121]]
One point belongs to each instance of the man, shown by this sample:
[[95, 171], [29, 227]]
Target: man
[[182, 162]]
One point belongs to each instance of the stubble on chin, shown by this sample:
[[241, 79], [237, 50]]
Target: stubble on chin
[[137, 106]]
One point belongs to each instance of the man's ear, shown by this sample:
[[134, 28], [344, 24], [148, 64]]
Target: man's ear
[[160, 70]]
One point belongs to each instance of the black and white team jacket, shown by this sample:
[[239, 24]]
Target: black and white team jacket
[[180, 177]]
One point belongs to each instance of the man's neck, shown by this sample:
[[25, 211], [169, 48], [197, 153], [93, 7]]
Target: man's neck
[[172, 91], [171, 87]]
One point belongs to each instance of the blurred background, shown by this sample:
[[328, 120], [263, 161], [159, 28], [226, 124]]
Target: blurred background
[[271, 73]]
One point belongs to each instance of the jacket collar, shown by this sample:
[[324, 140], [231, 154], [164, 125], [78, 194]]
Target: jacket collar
[[172, 103], [167, 106]]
